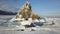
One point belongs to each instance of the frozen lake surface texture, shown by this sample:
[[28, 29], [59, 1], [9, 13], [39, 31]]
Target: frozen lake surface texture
[[45, 29]]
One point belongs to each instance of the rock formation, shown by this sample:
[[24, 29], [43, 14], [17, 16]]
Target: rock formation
[[26, 12]]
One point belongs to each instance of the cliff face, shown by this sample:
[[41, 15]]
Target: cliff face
[[26, 12]]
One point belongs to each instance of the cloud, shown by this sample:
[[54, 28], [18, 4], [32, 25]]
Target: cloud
[[6, 7]]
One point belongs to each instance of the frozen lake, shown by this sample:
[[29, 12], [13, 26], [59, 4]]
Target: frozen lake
[[55, 28]]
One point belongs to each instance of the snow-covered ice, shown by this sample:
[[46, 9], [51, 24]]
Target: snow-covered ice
[[45, 29]]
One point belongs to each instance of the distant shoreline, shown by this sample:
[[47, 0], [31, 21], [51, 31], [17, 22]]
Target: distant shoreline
[[6, 15]]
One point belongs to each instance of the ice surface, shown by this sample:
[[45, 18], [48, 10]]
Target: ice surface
[[45, 29]]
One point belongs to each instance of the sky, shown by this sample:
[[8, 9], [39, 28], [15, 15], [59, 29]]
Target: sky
[[40, 7]]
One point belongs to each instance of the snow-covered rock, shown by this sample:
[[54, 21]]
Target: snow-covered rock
[[25, 23], [42, 20], [35, 20], [19, 19]]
